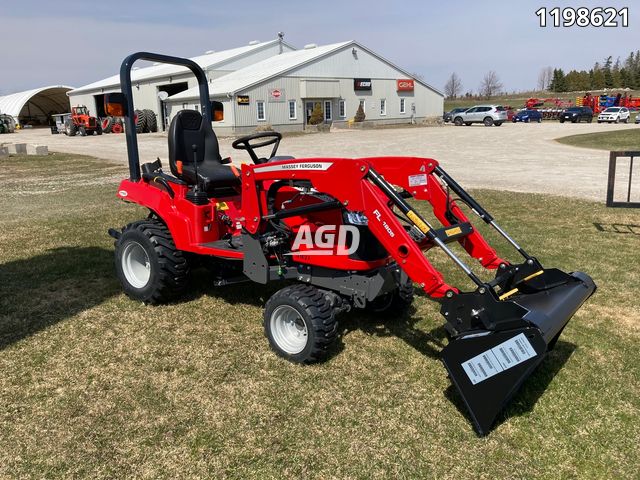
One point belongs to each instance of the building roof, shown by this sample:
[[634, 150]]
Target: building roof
[[260, 72], [206, 61], [49, 98]]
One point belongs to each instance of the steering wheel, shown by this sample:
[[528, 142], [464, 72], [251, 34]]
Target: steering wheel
[[244, 143]]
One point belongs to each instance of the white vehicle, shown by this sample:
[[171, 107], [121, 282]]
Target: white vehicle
[[486, 114], [614, 115]]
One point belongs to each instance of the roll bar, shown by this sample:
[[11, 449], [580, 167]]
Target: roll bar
[[125, 85]]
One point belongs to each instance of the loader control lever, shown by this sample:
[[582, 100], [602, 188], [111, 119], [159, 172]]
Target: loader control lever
[[244, 143]]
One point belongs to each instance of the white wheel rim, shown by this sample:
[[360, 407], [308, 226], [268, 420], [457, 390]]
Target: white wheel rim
[[135, 265], [288, 329]]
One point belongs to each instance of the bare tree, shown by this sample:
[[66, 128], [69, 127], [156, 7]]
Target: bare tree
[[453, 87], [490, 84], [544, 78]]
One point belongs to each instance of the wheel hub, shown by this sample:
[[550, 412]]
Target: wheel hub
[[136, 265], [289, 329]]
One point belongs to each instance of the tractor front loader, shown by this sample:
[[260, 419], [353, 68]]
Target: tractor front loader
[[345, 232]]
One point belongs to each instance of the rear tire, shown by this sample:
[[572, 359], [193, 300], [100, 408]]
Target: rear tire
[[488, 121], [497, 124], [107, 124], [148, 264], [151, 121], [140, 120], [300, 323], [70, 129]]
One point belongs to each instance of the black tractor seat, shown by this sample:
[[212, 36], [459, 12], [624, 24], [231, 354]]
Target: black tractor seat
[[186, 131]]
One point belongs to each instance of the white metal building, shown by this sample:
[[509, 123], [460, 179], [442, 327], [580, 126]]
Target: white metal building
[[150, 81], [281, 91], [36, 106]]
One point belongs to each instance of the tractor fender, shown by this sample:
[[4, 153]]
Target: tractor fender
[[160, 203]]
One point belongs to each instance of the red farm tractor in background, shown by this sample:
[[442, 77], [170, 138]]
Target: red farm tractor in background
[[339, 234], [81, 122]]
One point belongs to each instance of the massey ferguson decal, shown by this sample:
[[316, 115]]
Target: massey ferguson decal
[[294, 166]]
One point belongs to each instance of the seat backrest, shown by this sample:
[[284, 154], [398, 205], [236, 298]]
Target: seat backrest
[[188, 129]]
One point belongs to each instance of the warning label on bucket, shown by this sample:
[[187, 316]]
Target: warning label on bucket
[[499, 358]]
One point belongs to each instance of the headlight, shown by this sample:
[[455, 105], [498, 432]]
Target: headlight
[[356, 218]]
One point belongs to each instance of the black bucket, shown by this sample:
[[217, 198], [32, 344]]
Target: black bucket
[[489, 366]]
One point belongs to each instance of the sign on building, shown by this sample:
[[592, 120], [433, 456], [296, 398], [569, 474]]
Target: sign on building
[[405, 85], [362, 84], [243, 99], [276, 95]]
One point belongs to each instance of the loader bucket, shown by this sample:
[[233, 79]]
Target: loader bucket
[[488, 366]]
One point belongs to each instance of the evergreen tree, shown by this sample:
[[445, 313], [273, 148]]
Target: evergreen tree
[[317, 115], [558, 81], [606, 69], [359, 114], [615, 74], [597, 80]]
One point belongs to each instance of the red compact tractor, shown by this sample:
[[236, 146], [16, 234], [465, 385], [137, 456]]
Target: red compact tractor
[[340, 234]]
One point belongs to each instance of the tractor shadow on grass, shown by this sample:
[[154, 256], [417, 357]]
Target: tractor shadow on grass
[[401, 325], [41, 291]]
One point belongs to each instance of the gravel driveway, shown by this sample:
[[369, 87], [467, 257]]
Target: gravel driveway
[[517, 157]]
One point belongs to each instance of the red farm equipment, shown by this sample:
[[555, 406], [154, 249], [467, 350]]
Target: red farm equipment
[[341, 234], [551, 108], [80, 121], [598, 103]]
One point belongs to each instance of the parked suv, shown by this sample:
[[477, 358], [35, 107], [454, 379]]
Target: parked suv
[[448, 116], [487, 114], [576, 115], [614, 114]]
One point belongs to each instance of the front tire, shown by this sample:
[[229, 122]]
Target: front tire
[[488, 121], [458, 122], [148, 264], [300, 323]]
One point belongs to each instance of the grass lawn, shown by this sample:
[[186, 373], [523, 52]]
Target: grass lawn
[[628, 139], [96, 385]]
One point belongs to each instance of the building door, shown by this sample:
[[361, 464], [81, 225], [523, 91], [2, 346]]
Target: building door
[[308, 110]]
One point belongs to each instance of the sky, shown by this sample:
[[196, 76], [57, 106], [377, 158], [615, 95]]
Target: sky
[[74, 43]]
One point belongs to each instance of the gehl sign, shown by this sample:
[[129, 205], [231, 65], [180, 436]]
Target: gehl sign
[[362, 84]]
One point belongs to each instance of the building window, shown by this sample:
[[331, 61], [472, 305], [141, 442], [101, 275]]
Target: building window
[[327, 110], [342, 109], [383, 107], [403, 105], [293, 114], [261, 112]]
